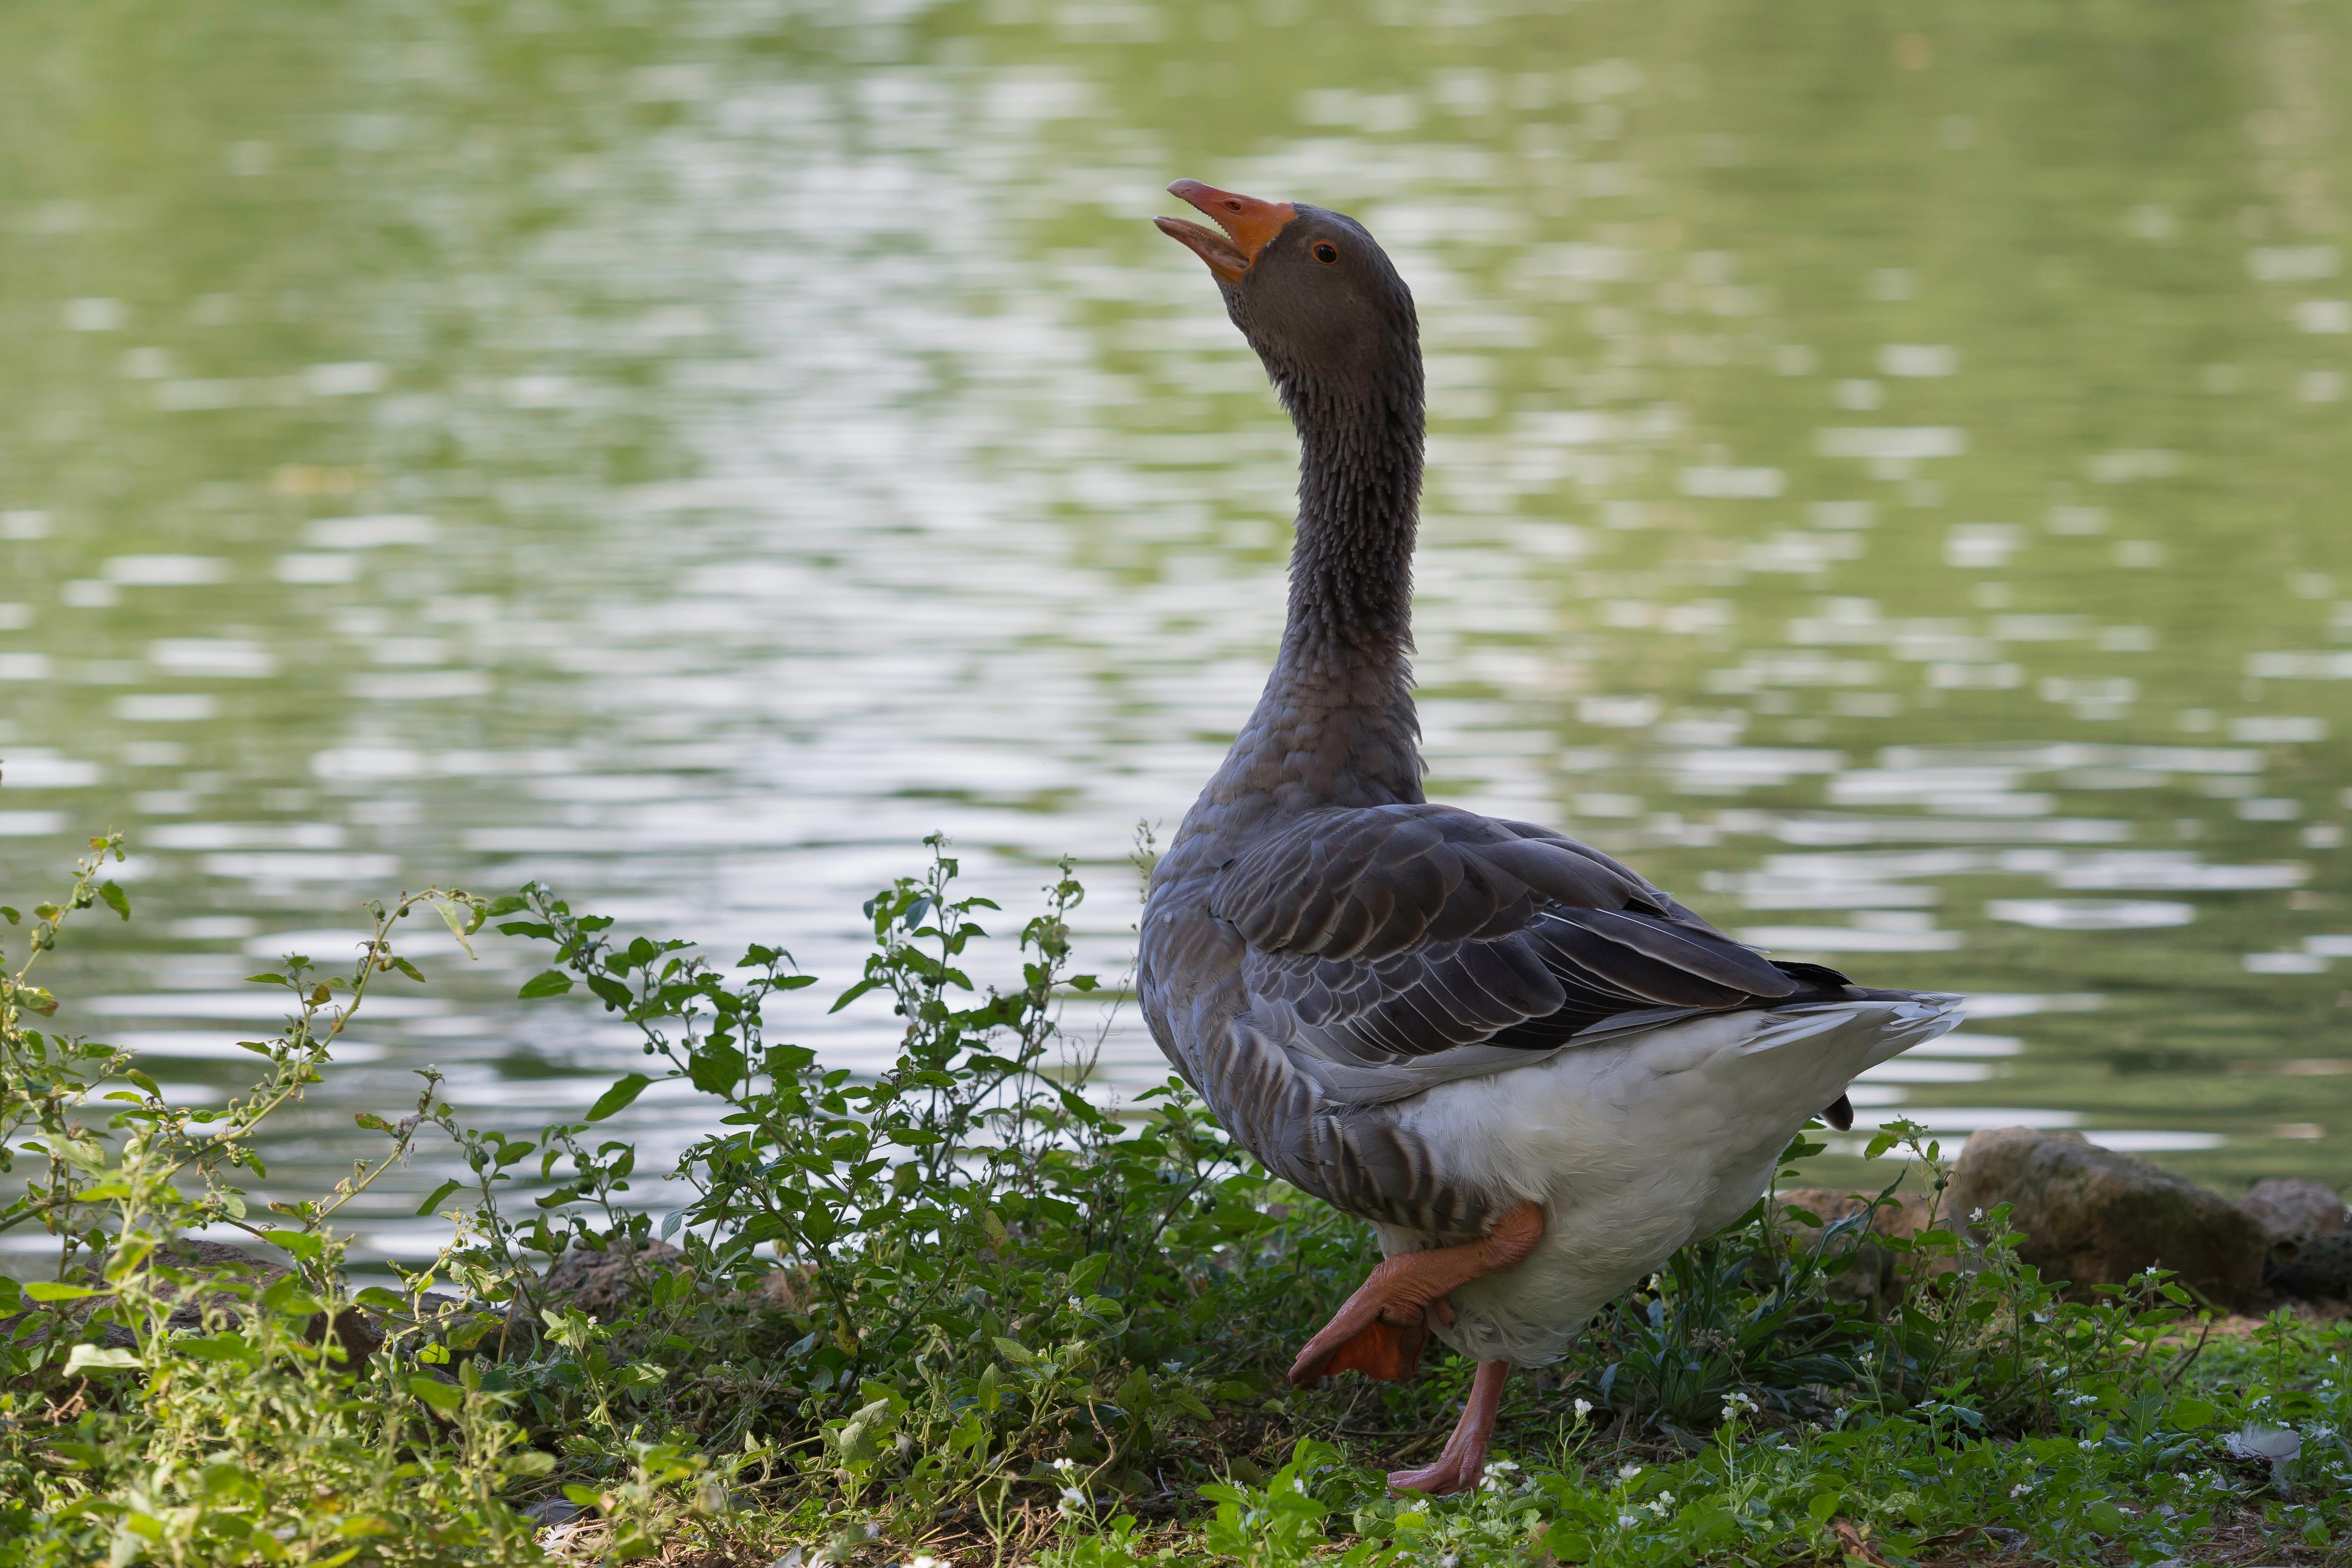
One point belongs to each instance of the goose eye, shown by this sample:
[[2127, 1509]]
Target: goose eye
[[1326, 252]]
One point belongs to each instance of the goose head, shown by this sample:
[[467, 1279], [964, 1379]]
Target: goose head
[[1311, 290]]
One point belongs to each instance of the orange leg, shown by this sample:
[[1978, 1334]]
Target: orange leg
[[1380, 1329], [1463, 1463]]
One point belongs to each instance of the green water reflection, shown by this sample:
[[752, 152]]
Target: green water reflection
[[1886, 482]]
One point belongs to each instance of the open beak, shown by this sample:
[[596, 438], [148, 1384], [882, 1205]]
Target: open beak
[[1248, 224]]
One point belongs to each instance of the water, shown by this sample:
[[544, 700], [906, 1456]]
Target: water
[[1885, 484]]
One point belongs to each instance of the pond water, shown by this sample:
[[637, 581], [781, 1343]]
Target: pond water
[[1887, 476]]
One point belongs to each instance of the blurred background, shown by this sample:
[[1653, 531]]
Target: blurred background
[[1888, 482]]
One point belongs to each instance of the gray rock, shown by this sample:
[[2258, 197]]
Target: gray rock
[[2311, 1267], [2310, 1236], [1875, 1278], [602, 1284], [2094, 1216], [2290, 1205]]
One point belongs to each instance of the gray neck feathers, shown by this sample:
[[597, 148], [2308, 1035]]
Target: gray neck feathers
[[1336, 726]]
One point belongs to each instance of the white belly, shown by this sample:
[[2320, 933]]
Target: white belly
[[1637, 1145]]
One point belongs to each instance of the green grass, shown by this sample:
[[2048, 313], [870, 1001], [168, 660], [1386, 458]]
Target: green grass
[[956, 1311]]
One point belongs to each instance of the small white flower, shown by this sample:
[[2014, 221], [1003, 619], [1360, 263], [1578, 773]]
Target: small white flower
[[1066, 1464], [2087, 1444], [927, 1561], [1583, 1408], [1628, 1520], [1976, 1214], [1073, 1497], [2020, 1490], [1666, 1500], [1629, 1472], [1501, 1467]]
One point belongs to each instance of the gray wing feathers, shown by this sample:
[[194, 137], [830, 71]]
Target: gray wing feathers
[[1371, 883], [1364, 955], [1382, 943]]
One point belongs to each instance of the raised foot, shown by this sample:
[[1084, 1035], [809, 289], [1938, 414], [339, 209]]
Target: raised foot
[[1380, 1328], [1389, 1352], [1463, 1465]]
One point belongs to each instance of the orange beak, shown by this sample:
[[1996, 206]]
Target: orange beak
[[1248, 224]]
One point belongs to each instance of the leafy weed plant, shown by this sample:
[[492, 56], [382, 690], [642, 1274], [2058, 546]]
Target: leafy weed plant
[[958, 1309]]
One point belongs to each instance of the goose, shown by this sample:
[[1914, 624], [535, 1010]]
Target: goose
[[1532, 1071]]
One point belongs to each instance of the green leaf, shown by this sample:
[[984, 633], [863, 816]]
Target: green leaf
[[302, 1244], [99, 1356], [2192, 1415], [1823, 1505], [433, 1200], [851, 995], [716, 1068], [456, 927], [51, 1290], [409, 969], [619, 1096], [546, 983], [1014, 1351], [116, 899], [288, 1297], [445, 1397], [214, 1347], [2106, 1518]]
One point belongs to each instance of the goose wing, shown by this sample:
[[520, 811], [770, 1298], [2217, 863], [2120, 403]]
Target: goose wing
[[1388, 947]]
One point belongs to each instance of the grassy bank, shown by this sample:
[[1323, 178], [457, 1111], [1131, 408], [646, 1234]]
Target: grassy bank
[[957, 1311]]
